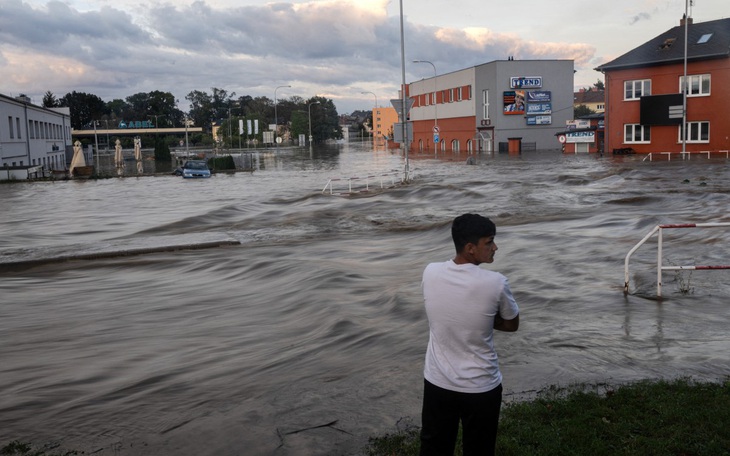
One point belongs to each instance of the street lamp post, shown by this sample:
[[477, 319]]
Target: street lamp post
[[310, 121], [276, 116], [435, 100], [404, 106]]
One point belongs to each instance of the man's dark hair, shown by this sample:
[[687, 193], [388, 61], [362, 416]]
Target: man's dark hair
[[469, 228]]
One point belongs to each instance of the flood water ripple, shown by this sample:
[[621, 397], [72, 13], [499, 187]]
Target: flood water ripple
[[303, 332]]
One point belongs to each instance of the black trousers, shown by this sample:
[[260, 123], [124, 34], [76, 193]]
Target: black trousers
[[442, 411]]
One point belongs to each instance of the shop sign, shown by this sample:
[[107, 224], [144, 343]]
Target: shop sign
[[540, 120], [539, 108], [525, 82], [581, 137], [538, 96]]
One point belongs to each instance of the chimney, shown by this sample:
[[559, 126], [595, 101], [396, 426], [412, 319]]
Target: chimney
[[684, 18]]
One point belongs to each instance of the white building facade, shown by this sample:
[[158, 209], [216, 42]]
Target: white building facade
[[33, 139]]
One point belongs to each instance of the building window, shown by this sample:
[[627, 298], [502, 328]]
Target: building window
[[451, 95], [633, 90], [30, 129], [697, 132], [10, 127], [600, 107], [635, 133], [704, 38], [699, 85], [469, 93], [17, 123], [485, 104], [458, 94], [455, 145]]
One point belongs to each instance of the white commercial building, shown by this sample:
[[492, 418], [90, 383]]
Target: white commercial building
[[33, 140]]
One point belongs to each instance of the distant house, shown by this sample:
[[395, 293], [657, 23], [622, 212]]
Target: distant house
[[644, 92], [595, 100]]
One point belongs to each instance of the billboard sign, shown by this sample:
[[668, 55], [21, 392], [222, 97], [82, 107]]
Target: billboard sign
[[581, 137], [540, 120], [514, 102], [539, 108], [538, 96]]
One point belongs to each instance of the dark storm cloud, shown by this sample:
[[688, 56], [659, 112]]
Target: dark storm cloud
[[56, 24], [332, 47]]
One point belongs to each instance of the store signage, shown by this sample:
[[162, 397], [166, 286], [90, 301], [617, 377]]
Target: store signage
[[539, 108], [581, 137], [538, 96], [136, 124], [525, 82], [573, 124], [540, 120]]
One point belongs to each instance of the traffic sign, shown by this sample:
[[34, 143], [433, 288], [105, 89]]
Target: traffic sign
[[435, 138], [435, 129]]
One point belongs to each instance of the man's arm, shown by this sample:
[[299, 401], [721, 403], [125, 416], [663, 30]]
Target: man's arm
[[501, 324]]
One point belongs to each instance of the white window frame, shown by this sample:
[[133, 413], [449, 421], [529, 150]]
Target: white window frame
[[645, 133], [485, 104], [638, 88], [696, 132], [458, 94], [696, 85]]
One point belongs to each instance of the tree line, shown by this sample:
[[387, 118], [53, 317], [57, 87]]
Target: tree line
[[206, 109]]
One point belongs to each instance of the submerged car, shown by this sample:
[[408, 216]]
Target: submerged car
[[195, 169]]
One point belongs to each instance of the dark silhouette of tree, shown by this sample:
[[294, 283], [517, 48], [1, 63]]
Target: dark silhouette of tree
[[50, 100], [84, 107]]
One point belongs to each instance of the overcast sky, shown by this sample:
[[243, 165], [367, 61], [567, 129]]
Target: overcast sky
[[332, 48]]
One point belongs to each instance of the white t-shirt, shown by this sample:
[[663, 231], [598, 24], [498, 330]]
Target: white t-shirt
[[461, 301]]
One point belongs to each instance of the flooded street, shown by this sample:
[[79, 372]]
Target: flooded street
[[303, 332]]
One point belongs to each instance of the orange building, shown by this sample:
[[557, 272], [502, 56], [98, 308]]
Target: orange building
[[383, 120], [644, 92]]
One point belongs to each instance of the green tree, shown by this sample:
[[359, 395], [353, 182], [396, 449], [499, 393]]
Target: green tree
[[84, 107], [299, 124], [599, 86], [325, 120], [582, 111], [50, 100], [162, 150]]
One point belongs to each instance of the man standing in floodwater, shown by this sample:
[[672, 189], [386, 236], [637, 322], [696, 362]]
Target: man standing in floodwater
[[464, 304]]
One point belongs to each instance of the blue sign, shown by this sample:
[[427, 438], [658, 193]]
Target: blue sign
[[136, 124], [525, 82], [538, 96], [539, 108], [435, 138], [540, 120]]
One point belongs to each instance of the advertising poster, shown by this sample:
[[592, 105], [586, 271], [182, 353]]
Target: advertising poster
[[539, 108], [538, 96], [514, 102], [540, 120]]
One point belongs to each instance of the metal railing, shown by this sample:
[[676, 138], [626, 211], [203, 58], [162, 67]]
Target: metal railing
[[660, 267], [364, 182], [686, 155]]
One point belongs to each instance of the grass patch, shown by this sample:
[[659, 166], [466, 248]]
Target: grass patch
[[681, 418]]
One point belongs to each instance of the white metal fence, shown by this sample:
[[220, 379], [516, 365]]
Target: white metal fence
[[350, 185], [660, 267], [686, 155]]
